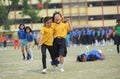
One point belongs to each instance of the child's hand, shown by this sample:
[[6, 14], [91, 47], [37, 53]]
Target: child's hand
[[39, 45], [67, 20]]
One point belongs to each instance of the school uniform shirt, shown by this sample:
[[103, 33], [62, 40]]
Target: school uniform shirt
[[22, 34], [48, 35], [29, 37], [83, 32], [94, 52], [79, 32], [60, 30], [103, 32], [89, 32], [93, 33], [73, 33], [98, 33], [117, 28]]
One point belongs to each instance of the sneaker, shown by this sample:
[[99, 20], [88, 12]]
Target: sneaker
[[31, 58], [55, 63], [44, 71], [61, 70], [28, 57]]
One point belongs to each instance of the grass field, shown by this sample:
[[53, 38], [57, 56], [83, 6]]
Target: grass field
[[13, 67]]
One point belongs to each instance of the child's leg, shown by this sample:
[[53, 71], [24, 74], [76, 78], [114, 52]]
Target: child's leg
[[30, 52], [43, 50], [14, 46], [51, 51], [61, 63], [18, 45], [22, 49], [118, 49], [61, 59]]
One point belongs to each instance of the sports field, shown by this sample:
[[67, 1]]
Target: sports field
[[13, 67]]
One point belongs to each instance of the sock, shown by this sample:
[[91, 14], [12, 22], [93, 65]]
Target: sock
[[61, 65]]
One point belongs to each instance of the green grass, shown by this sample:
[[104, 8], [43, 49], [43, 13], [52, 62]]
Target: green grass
[[13, 67]]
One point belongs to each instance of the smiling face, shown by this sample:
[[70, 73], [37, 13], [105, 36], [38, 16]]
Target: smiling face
[[21, 26], [27, 30], [48, 23], [57, 18]]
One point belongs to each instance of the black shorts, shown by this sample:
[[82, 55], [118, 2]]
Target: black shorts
[[59, 45], [117, 39]]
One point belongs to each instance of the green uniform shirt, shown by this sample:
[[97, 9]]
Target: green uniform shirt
[[117, 28], [98, 33]]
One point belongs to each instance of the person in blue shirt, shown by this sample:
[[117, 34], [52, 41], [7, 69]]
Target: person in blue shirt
[[93, 36], [35, 34], [95, 55], [103, 36], [73, 37], [68, 39], [83, 37], [30, 44], [22, 38], [89, 36], [92, 55], [79, 36]]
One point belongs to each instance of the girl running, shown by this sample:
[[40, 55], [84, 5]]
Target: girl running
[[46, 41], [30, 44], [22, 38], [61, 28]]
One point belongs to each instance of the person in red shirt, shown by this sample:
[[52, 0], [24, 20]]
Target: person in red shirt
[[3, 41], [16, 41]]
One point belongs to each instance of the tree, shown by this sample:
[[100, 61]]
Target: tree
[[27, 9]]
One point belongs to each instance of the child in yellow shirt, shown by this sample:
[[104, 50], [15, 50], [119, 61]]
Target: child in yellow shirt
[[46, 41], [60, 32]]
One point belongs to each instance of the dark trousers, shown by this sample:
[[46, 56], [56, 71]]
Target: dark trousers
[[60, 48], [5, 43], [43, 50]]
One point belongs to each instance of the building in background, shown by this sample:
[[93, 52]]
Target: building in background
[[89, 13]]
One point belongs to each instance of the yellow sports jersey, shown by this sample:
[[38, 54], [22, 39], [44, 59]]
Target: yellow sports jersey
[[60, 30], [47, 35]]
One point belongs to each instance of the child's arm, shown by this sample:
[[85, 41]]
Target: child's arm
[[40, 40], [69, 22]]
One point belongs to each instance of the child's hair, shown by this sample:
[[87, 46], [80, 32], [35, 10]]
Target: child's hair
[[28, 28], [117, 20], [20, 25], [81, 58], [46, 19], [55, 14]]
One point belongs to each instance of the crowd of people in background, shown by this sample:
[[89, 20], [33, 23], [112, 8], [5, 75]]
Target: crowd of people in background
[[79, 36], [13, 40], [90, 36]]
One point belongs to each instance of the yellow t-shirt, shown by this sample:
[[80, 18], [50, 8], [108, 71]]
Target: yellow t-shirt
[[47, 35], [60, 30]]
